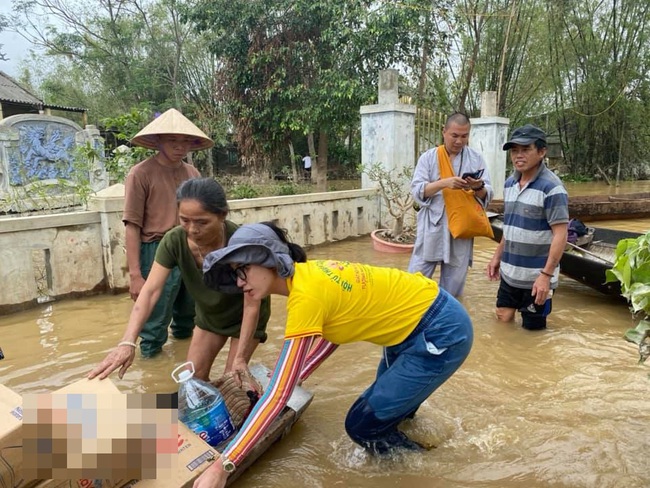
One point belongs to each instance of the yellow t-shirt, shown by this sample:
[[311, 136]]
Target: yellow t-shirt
[[349, 302]]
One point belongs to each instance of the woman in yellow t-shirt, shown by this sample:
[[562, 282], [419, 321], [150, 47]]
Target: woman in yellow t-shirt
[[426, 334]]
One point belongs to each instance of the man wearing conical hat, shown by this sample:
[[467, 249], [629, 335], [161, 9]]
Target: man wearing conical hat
[[150, 210]]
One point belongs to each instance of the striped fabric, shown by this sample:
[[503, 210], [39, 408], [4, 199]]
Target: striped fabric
[[319, 353], [529, 214], [286, 375]]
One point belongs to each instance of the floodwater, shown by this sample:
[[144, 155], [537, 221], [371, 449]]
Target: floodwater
[[566, 407], [602, 188], [588, 188]]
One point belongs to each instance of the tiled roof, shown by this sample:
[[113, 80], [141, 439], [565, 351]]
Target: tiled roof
[[11, 91], [65, 108]]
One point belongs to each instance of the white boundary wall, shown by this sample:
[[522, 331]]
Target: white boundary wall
[[78, 253]]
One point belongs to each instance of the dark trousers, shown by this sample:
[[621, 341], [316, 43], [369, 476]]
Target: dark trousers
[[174, 308]]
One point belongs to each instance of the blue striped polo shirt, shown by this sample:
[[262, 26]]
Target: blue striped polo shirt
[[528, 216]]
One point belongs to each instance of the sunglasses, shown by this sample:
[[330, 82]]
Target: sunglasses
[[239, 272]]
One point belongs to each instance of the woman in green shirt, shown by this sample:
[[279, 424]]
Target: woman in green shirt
[[202, 209]]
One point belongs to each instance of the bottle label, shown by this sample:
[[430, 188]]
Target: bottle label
[[212, 425]]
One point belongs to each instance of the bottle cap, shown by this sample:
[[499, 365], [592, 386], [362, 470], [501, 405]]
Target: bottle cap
[[181, 373], [185, 375]]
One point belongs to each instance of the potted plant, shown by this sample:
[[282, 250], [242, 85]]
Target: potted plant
[[394, 187]]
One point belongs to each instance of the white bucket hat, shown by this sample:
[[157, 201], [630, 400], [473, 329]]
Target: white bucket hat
[[171, 122]]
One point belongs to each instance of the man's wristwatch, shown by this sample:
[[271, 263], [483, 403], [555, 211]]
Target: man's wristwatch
[[480, 187], [228, 465]]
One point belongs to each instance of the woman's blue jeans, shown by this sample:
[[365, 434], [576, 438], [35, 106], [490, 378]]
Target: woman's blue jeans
[[409, 373]]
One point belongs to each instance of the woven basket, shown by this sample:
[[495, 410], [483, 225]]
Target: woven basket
[[239, 399]]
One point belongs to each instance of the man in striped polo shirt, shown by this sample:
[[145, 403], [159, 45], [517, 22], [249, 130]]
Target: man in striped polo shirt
[[536, 216]]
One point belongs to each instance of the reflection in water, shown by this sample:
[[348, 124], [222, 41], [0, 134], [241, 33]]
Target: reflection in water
[[563, 407], [45, 327]]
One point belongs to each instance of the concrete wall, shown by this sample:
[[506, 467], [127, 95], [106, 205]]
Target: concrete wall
[[49, 256], [65, 255]]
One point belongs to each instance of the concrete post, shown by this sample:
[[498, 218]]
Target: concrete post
[[489, 104], [109, 202], [387, 129], [98, 175], [488, 135], [9, 142], [387, 135]]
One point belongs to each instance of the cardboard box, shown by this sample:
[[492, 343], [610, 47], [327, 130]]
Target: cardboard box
[[194, 455], [95, 386], [11, 437], [85, 386]]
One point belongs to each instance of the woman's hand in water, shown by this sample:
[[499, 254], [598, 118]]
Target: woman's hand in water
[[121, 357]]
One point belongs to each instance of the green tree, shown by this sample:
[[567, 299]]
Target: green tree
[[117, 56], [4, 23], [128, 47], [600, 59], [302, 67], [493, 45]]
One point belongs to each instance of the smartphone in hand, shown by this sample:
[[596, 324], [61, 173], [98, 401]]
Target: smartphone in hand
[[476, 175]]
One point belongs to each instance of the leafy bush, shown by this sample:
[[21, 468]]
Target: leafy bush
[[243, 190], [122, 158], [632, 270], [285, 189]]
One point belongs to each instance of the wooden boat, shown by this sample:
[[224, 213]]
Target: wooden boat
[[587, 260], [590, 208], [297, 404]]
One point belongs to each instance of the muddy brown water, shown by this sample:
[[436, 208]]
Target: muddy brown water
[[567, 407]]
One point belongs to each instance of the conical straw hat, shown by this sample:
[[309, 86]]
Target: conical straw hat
[[171, 122]]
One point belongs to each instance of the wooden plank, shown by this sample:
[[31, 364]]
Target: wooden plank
[[298, 402], [601, 207], [278, 429]]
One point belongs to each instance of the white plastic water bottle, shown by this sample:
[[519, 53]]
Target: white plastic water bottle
[[201, 407]]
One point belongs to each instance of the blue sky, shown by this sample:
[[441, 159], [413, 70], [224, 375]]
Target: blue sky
[[14, 46]]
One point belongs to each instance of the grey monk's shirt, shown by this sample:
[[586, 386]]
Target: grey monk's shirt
[[433, 241]]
